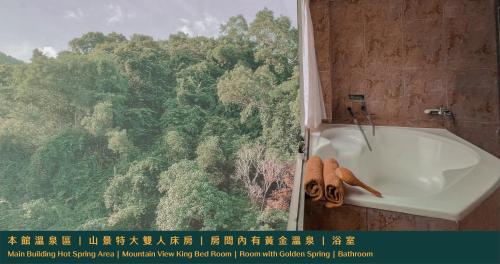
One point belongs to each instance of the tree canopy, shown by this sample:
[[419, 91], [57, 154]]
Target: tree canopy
[[6, 59], [186, 133]]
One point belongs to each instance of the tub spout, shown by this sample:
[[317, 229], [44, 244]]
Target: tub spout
[[439, 111], [355, 120], [442, 111], [360, 98], [368, 116]]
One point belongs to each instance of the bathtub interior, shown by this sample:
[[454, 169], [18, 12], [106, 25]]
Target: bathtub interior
[[404, 162]]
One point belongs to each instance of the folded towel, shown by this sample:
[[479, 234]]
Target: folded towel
[[334, 188], [313, 179]]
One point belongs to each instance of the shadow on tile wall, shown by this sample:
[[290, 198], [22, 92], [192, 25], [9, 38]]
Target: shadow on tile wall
[[410, 55]]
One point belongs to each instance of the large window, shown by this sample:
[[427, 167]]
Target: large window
[[142, 115]]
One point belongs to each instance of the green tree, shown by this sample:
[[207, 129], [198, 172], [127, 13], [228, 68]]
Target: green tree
[[234, 45], [67, 88], [151, 81], [132, 197], [185, 51], [192, 203], [281, 117], [88, 42], [276, 41], [240, 87], [101, 119], [210, 158], [183, 133], [187, 120], [118, 141], [196, 85], [176, 147]]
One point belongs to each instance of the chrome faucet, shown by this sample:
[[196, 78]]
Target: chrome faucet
[[442, 111], [438, 111], [361, 99], [355, 120]]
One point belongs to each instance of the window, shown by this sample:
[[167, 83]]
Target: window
[[143, 115]]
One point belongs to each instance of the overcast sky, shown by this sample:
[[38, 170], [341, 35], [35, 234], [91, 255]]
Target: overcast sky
[[50, 24]]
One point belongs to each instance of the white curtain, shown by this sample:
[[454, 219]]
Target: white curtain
[[312, 105]]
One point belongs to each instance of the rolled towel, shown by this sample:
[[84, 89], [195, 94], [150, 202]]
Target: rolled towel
[[313, 179], [334, 188]]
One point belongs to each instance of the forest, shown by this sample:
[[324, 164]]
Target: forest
[[133, 133]]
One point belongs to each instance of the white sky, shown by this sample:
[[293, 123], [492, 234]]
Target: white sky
[[50, 24]]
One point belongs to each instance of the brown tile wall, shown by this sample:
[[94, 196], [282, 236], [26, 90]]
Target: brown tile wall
[[486, 216], [320, 10], [348, 218], [356, 218], [409, 55]]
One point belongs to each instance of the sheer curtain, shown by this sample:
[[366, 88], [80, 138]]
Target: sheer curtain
[[312, 105]]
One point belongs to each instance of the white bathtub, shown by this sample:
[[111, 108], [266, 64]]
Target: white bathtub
[[420, 171]]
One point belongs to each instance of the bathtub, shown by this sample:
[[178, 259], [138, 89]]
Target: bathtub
[[420, 171]]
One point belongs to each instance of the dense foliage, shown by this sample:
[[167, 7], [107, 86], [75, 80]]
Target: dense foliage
[[188, 133]]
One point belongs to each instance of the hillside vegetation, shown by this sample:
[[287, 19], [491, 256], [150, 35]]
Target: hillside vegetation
[[6, 59], [187, 133]]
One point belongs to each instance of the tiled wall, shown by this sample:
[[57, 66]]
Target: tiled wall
[[348, 217], [409, 55]]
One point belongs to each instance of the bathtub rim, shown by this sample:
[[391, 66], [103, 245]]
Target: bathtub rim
[[450, 204]]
